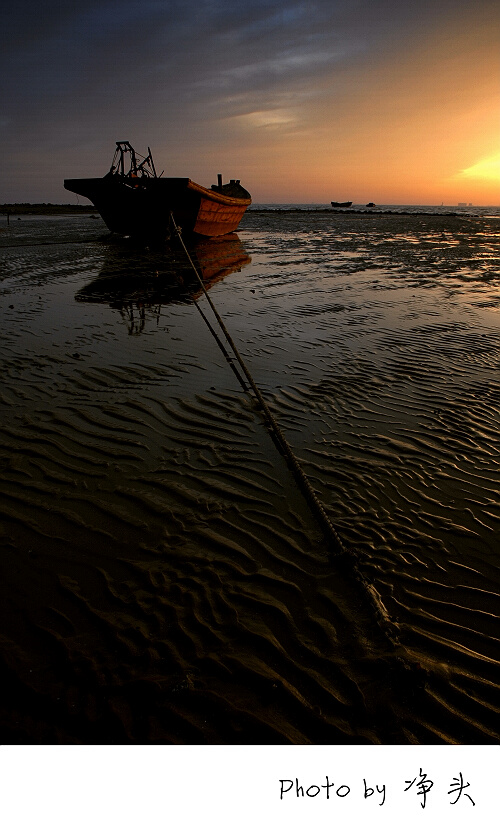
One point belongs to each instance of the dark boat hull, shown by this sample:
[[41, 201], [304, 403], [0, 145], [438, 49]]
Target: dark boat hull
[[143, 208], [342, 205]]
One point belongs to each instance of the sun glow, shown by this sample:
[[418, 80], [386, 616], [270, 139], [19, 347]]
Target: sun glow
[[485, 169]]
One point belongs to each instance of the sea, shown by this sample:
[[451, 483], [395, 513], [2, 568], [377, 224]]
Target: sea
[[165, 576]]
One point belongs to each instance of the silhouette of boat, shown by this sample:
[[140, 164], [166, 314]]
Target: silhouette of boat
[[133, 200], [342, 205], [134, 280]]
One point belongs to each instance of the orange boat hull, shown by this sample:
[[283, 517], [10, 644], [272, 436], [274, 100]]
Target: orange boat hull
[[144, 208]]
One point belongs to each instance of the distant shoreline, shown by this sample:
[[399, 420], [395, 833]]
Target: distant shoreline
[[45, 208], [14, 209], [327, 210]]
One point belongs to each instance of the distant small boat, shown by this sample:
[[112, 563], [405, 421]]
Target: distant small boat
[[370, 205], [133, 200], [341, 205]]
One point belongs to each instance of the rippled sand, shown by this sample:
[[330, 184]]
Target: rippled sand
[[164, 579]]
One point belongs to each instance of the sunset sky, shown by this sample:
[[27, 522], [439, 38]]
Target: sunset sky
[[305, 101]]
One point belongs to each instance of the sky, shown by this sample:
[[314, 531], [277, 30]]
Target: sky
[[308, 101]]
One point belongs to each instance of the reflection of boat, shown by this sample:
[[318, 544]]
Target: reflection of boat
[[342, 205], [133, 200], [134, 280]]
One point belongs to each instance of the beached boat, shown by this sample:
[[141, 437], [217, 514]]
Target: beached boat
[[341, 205], [133, 200]]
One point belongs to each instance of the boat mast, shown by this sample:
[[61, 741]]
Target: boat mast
[[149, 159], [144, 168]]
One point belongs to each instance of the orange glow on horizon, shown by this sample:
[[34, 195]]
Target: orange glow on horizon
[[420, 128]]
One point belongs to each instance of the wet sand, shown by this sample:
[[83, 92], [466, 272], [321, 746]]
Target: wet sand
[[164, 579]]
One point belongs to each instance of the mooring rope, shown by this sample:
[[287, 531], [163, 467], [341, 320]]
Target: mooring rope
[[220, 343], [282, 442], [350, 557]]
